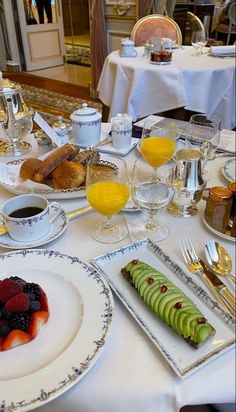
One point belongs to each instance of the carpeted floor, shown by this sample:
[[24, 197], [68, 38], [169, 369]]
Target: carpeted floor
[[52, 96]]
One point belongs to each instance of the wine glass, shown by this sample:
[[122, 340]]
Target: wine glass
[[157, 145], [152, 197], [195, 38], [202, 40], [204, 134], [107, 190]]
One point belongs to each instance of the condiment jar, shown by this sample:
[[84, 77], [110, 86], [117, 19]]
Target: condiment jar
[[218, 207], [127, 48], [232, 187], [86, 125]]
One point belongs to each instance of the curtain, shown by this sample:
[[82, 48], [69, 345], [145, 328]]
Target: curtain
[[146, 7], [98, 40]]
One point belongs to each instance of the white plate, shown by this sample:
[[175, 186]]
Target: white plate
[[229, 170], [108, 148], [159, 63], [58, 226], [80, 304], [9, 180], [223, 235], [180, 355]]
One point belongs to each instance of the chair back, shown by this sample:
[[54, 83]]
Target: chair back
[[155, 25], [195, 23]]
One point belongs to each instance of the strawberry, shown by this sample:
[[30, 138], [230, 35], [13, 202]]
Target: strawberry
[[37, 320], [19, 303], [8, 289], [43, 300], [1, 343], [15, 338]]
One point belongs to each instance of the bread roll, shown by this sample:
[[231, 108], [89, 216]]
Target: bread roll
[[68, 175], [29, 167], [52, 161]]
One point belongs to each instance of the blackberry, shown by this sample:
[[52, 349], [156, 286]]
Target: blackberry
[[18, 280], [20, 320], [34, 288]]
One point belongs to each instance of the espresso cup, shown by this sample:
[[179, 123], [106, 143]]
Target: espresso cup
[[29, 217]]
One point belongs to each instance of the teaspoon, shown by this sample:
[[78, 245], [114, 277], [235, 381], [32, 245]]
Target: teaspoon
[[218, 259]]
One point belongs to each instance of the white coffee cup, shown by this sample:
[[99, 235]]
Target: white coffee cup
[[29, 217], [121, 131]]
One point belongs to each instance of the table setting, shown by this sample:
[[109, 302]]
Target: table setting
[[100, 338], [158, 86]]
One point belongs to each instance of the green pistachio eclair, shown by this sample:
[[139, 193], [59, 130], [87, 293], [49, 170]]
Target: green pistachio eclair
[[169, 303]]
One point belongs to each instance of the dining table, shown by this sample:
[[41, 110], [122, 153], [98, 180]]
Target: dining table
[[131, 374], [202, 83]]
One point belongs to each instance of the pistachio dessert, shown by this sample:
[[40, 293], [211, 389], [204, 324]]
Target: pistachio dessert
[[169, 303]]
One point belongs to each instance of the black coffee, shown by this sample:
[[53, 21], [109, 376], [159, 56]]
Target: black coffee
[[26, 212]]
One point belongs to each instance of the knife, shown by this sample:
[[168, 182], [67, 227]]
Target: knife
[[226, 295]]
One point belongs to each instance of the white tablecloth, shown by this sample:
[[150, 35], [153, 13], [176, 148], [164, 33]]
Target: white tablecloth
[[203, 84], [131, 375]]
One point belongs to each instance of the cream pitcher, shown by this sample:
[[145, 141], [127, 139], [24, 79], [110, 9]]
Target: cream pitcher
[[189, 182]]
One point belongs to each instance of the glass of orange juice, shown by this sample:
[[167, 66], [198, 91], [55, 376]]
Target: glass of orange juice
[[108, 191], [157, 145]]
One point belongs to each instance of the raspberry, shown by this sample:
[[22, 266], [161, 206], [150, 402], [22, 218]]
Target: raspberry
[[20, 320], [19, 303], [8, 289]]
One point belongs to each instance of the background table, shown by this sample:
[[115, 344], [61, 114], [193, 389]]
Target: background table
[[203, 84], [131, 375]]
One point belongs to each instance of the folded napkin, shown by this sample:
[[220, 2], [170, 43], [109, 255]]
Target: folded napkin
[[218, 50]]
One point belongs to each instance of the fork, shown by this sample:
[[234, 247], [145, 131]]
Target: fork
[[194, 265]]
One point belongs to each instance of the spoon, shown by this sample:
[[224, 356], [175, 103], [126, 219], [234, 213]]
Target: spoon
[[218, 259]]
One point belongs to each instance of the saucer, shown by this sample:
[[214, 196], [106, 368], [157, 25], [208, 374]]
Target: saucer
[[58, 227]]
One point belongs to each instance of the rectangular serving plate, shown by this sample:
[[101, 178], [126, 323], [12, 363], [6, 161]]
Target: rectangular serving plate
[[183, 358]]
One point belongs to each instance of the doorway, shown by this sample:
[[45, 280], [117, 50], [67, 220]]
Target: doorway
[[76, 31]]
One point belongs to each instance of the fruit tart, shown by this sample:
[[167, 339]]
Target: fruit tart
[[169, 303], [23, 311]]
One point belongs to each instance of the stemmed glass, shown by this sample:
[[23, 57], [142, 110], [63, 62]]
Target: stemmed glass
[[157, 146], [108, 191], [204, 134], [202, 40], [152, 197], [195, 39]]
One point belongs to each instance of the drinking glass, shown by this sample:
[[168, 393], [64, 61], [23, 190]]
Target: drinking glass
[[152, 197], [204, 134], [202, 40], [157, 146], [108, 191], [195, 38]]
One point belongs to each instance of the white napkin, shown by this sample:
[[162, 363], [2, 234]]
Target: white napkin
[[218, 50]]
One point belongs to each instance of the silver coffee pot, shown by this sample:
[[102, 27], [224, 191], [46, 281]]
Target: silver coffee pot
[[16, 119], [189, 182], [11, 90]]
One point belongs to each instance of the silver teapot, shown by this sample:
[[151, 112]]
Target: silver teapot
[[11, 90], [189, 182]]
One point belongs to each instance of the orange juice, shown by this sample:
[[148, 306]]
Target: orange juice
[[108, 198], [156, 150]]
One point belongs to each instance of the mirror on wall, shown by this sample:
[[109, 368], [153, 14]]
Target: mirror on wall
[[40, 11]]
